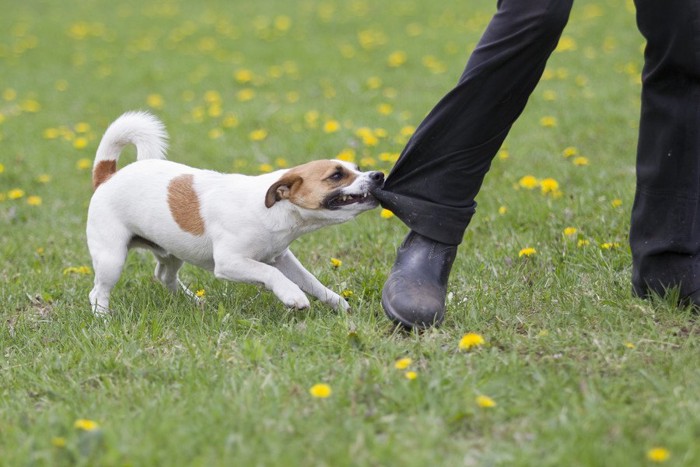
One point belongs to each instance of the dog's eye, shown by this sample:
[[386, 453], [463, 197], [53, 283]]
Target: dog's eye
[[336, 176]]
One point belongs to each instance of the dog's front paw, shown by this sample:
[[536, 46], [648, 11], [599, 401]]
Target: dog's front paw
[[341, 305], [293, 298]]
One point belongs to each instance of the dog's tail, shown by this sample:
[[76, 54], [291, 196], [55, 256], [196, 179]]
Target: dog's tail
[[141, 129]]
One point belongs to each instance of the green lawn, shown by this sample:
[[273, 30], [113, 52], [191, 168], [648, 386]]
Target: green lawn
[[581, 372]]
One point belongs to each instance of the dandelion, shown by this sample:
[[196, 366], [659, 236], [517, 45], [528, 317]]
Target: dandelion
[[331, 126], [15, 193], [503, 154], [9, 94], [43, 178], [549, 95], [281, 162], [82, 127], [80, 142], [502, 210], [485, 402], [34, 200], [389, 156], [386, 214], [83, 164], [258, 135], [549, 186], [266, 168], [570, 231], [658, 454], [566, 44], [403, 363], [385, 109], [155, 101], [86, 425], [347, 293], [411, 375], [583, 242], [30, 105], [630, 345], [2, 167], [321, 391], [528, 182], [570, 151], [245, 95], [336, 263], [471, 340], [580, 161], [77, 270], [229, 121], [200, 293], [58, 442], [243, 76], [527, 252], [51, 133], [609, 245], [373, 82], [282, 23], [347, 155], [616, 203], [548, 121], [396, 59], [215, 133]]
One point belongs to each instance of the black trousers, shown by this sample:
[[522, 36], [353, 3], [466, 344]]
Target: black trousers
[[433, 184]]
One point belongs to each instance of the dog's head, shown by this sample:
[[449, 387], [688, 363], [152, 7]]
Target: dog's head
[[334, 189]]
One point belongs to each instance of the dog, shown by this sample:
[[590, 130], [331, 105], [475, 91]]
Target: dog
[[237, 226]]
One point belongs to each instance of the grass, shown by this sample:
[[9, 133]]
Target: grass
[[581, 372]]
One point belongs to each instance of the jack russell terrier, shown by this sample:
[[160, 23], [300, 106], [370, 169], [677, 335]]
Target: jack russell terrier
[[237, 226]]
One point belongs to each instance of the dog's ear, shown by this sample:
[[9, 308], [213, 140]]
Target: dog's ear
[[282, 189]]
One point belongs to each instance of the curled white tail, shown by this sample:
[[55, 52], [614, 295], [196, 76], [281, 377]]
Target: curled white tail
[[141, 129]]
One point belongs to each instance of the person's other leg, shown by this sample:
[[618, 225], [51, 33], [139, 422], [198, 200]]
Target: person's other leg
[[665, 228], [433, 184]]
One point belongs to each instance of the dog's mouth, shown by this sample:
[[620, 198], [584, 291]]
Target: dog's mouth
[[337, 201]]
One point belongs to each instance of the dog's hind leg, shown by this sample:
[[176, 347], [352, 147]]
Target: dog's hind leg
[[166, 272], [107, 262]]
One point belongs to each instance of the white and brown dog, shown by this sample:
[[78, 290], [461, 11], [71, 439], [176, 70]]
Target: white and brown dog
[[237, 226]]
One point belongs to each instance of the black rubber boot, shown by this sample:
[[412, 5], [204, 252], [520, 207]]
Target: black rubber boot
[[414, 294]]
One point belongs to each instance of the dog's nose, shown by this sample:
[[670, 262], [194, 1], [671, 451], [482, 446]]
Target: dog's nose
[[376, 176]]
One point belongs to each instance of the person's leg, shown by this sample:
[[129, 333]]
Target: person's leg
[[665, 228], [433, 184]]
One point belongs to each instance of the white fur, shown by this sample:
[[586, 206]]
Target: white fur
[[243, 240]]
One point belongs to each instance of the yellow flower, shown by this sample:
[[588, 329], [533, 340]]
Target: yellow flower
[[616, 203], [549, 186], [403, 363], [470, 340], [549, 95], [411, 375], [80, 142], [58, 441], [529, 182], [243, 76], [83, 164], [81, 127], [396, 59], [30, 105], [503, 154], [526, 252], [16, 193], [630, 345], [51, 133], [548, 121], [258, 135], [320, 391], [367, 162], [570, 151], [266, 168], [347, 155], [384, 108], [583, 242], [281, 162], [331, 126], [43, 178], [374, 82], [245, 95], [336, 263], [215, 133], [347, 293], [609, 245], [580, 160], [658, 454], [9, 94], [407, 130], [485, 402], [502, 210], [2, 167], [34, 200], [77, 270], [230, 121], [86, 425], [570, 231], [386, 214], [282, 23], [566, 43], [200, 293], [155, 101]]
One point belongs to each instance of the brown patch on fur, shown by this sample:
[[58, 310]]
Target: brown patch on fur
[[184, 204], [308, 184], [102, 171]]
